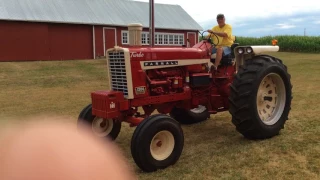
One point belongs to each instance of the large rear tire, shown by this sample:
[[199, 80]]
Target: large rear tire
[[104, 128], [260, 97], [191, 116], [157, 143]]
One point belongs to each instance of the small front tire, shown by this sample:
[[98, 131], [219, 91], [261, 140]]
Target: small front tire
[[104, 128], [157, 143]]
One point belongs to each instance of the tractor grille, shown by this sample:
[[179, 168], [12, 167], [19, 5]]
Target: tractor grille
[[117, 68]]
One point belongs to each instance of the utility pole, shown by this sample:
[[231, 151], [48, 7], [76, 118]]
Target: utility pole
[[305, 32]]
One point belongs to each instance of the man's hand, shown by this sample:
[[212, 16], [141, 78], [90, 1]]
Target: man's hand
[[221, 34], [209, 31]]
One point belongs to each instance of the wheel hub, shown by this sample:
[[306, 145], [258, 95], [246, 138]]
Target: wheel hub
[[267, 98], [271, 98], [162, 145], [199, 109], [103, 124], [159, 143], [102, 127]]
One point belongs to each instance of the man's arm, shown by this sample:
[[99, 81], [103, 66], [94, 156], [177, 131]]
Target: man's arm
[[226, 33], [222, 34]]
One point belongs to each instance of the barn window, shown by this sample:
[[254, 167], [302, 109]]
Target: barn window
[[165, 39], [170, 41], [176, 39], [125, 37], [144, 38], [156, 38], [148, 38], [159, 38], [181, 39]]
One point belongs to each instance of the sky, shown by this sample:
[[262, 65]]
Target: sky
[[260, 17]]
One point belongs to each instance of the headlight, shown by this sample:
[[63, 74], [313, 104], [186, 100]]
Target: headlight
[[249, 50], [240, 51]]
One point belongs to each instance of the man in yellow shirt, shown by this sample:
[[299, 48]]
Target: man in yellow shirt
[[224, 33]]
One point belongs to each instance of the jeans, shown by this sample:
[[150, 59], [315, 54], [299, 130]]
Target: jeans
[[226, 50]]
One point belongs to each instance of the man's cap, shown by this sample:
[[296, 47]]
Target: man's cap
[[220, 16]]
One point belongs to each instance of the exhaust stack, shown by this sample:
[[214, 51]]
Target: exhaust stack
[[151, 22]]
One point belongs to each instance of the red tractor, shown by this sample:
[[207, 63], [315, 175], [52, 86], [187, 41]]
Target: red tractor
[[179, 85]]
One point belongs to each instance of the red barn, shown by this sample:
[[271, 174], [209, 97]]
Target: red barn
[[84, 29]]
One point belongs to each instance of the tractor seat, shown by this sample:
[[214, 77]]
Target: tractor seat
[[234, 45]]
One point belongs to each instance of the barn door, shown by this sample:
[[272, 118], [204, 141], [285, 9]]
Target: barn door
[[109, 38], [192, 38]]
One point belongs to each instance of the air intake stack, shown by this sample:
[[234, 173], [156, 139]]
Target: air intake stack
[[135, 30]]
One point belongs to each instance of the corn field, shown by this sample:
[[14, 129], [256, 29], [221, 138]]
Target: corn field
[[287, 43]]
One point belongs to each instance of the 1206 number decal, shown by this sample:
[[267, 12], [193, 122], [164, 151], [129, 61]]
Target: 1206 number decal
[[140, 90]]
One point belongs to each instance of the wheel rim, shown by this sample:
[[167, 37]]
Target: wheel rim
[[162, 145], [199, 109], [102, 127], [271, 99]]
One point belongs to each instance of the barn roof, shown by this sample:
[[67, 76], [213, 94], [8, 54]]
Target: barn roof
[[97, 12]]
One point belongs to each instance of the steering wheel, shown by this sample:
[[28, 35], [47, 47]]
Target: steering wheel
[[209, 40]]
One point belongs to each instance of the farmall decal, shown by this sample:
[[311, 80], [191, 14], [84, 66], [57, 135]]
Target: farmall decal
[[136, 55], [160, 63]]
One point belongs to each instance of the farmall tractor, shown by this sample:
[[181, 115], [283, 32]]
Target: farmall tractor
[[157, 90]]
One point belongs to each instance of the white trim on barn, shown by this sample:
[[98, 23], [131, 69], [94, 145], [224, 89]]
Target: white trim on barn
[[94, 42]]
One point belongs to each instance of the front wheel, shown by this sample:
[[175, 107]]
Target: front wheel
[[104, 128], [260, 97], [157, 143]]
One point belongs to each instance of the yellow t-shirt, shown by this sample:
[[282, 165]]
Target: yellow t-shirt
[[223, 41]]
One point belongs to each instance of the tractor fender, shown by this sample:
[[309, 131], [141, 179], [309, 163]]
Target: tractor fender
[[241, 50], [260, 49]]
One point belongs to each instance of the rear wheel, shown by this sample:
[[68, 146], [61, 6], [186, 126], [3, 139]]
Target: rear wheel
[[157, 143], [100, 127], [260, 97], [191, 116]]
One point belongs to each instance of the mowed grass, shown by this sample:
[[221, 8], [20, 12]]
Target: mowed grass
[[213, 149]]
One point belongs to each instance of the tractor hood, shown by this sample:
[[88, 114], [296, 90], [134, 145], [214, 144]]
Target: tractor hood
[[141, 53]]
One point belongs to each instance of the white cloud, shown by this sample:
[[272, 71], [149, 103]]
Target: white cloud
[[316, 22], [285, 26], [240, 25], [269, 29], [205, 10], [297, 19], [264, 29]]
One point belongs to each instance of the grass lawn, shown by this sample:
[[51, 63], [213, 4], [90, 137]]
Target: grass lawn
[[213, 149]]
